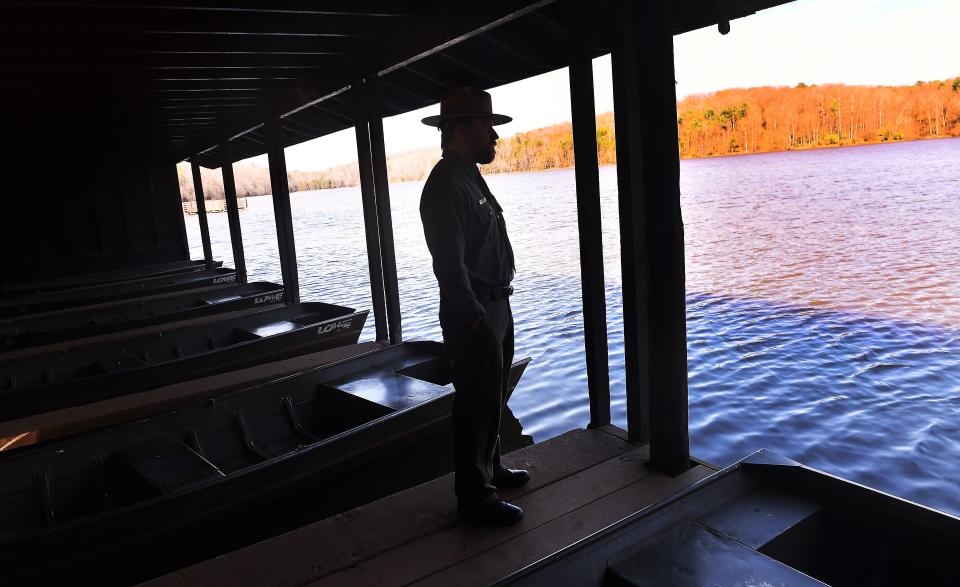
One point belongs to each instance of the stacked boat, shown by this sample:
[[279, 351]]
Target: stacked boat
[[127, 499], [130, 313], [81, 374], [82, 295], [128, 274]]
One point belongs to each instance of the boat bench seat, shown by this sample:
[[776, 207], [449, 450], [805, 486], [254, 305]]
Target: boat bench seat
[[391, 389], [156, 466], [690, 554], [219, 299], [264, 330], [763, 517]]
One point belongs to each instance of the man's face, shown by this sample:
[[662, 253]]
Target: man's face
[[481, 139]]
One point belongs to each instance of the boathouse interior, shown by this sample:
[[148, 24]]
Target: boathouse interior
[[104, 99]]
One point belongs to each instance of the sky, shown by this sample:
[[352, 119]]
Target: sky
[[868, 42]]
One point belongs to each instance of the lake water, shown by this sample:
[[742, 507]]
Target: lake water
[[823, 305]]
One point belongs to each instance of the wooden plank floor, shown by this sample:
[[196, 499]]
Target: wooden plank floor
[[580, 482]]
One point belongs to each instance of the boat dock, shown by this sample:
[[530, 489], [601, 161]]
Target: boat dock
[[162, 420], [190, 206], [581, 482]]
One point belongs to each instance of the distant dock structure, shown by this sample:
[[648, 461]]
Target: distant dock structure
[[190, 207]]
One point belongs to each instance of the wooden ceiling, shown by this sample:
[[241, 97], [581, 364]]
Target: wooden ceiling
[[174, 79]]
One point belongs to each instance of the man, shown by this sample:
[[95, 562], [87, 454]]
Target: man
[[473, 261]]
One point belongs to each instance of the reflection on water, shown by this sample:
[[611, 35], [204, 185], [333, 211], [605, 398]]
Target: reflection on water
[[867, 229], [823, 308]]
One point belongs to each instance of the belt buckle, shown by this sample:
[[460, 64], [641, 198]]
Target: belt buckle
[[508, 290]]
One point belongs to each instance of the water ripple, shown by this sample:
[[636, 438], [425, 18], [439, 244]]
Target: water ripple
[[823, 313]]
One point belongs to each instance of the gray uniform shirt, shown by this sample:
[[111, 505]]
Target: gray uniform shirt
[[466, 234]]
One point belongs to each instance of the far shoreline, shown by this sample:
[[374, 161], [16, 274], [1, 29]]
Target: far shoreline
[[701, 157], [819, 147]]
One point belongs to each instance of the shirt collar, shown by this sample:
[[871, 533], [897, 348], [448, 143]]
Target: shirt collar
[[457, 158]]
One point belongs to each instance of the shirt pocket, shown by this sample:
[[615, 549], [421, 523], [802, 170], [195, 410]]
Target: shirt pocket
[[482, 213]]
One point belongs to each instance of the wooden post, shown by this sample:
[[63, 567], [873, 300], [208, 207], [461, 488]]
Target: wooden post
[[370, 219], [384, 216], [667, 314], [587, 171], [202, 214], [233, 213], [648, 174], [281, 212], [633, 249]]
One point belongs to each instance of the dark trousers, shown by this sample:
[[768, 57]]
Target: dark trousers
[[480, 370]]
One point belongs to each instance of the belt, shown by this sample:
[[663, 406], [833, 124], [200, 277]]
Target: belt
[[494, 293]]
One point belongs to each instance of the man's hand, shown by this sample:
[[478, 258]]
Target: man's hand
[[476, 323]]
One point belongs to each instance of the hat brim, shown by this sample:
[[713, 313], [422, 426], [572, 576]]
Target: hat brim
[[495, 119]]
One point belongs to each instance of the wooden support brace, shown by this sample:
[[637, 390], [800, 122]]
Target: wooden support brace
[[202, 214], [384, 215], [282, 214], [371, 221], [233, 212]]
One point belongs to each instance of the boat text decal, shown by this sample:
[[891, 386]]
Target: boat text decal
[[274, 297], [335, 327]]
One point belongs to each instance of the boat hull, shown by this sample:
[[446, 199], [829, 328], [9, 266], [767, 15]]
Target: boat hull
[[94, 294], [88, 279], [260, 485], [53, 327], [81, 375], [766, 520]]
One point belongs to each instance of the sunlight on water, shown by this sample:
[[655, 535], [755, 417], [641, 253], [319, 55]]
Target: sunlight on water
[[823, 307]]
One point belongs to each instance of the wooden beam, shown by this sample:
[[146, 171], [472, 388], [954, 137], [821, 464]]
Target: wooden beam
[[303, 8], [160, 77], [91, 41], [652, 234], [159, 19], [282, 213], [583, 114], [384, 215], [371, 221], [202, 214], [233, 213]]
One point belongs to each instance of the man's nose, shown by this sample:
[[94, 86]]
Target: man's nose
[[493, 134]]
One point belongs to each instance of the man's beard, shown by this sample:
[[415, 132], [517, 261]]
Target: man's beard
[[487, 156]]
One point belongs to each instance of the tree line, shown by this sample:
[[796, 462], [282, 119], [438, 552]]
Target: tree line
[[250, 179], [734, 121], [254, 180], [758, 120]]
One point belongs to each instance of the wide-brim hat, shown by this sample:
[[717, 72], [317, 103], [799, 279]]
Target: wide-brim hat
[[466, 102]]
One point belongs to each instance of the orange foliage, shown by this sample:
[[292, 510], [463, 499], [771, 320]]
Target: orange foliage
[[550, 148], [764, 119], [740, 120]]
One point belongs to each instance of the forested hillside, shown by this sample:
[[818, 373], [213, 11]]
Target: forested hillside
[[734, 121]]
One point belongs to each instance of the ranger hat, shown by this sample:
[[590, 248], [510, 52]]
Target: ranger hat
[[466, 102]]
